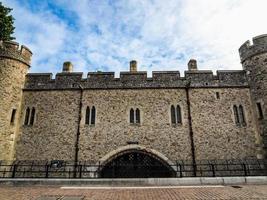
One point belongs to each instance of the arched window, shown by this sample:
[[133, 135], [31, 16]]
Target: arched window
[[242, 115], [32, 116], [93, 116], [27, 115], [236, 115], [87, 115], [176, 115], [173, 116], [179, 116], [132, 116], [137, 116]]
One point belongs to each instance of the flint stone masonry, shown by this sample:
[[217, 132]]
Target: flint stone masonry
[[14, 64], [206, 100], [164, 79], [254, 61]]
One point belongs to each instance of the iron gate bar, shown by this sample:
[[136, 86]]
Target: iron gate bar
[[41, 169]]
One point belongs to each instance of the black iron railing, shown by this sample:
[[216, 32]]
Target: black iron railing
[[65, 169]]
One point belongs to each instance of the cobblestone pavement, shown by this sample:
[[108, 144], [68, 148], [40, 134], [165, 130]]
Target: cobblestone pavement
[[57, 193]]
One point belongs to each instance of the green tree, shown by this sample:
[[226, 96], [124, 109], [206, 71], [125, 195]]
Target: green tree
[[6, 23]]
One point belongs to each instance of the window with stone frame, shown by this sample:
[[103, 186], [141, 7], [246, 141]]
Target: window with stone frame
[[176, 115], [239, 115], [135, 116], [30, 114], [27, 116], [90, 115]]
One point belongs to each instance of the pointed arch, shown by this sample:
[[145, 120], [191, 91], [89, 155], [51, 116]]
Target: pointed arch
[[135, 161], [87, 115], [93, 115], [179, 115], [173, 116], [137, 116], [132, 116]]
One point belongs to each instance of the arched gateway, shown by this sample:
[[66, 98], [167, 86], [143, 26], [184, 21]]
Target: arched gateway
[[134, 161]]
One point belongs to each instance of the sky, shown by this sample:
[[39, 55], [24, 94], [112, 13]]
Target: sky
[[105, 35]]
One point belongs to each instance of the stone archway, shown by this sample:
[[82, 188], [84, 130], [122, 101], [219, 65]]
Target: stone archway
[[134, 161]]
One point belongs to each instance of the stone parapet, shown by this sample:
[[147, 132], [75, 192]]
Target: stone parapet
[[128, 80], [12, 50], [258, 46]]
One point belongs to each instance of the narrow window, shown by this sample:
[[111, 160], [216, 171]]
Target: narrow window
[[93, 116], [13, 115], [27, 115], [260, 111], [242, 116], [217, 95], [137, 116], [173, 117], [32, 116], [132, 115], [236, 114], [87, 115], [179, 116]]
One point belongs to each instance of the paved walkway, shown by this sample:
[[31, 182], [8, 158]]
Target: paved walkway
[[139, 193]]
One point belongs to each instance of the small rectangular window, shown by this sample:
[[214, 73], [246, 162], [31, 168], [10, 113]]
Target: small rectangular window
[[13, 115], [260, 111]]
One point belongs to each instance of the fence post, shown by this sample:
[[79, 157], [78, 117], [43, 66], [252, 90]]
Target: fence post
[[14, 171], [213, 170], [245, 169], [80, 168], [181, 173], [46, 170]]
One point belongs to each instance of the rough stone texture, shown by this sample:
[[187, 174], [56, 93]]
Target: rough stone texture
[[53, 134], [216, 135], [13, 68], [254, 61], [113, 130], [137, 80]]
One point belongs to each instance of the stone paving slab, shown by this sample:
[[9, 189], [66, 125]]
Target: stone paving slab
[[246, 192]]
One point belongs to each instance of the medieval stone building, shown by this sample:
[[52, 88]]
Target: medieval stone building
[[200, 116]]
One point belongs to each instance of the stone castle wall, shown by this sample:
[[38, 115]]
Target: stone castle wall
[[254, 61], [14, 64], [57, 101], [215, 134]]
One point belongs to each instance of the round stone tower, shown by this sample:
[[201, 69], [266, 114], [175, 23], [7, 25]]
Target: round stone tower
[[254, 61], [14, 65]]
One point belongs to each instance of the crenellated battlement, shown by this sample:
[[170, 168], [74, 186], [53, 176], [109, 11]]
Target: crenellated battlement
[[159, 79], [13, 50], [258, 46]]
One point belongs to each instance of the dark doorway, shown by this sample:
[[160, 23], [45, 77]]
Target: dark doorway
[[136, 164]]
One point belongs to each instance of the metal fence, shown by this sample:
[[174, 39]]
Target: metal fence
[[66, 169]]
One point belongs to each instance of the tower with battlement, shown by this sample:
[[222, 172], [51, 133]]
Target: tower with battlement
[[14, 62], [254, 61], [101, 118]]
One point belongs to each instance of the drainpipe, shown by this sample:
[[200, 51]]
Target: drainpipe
[[187, 87], [78, 131]]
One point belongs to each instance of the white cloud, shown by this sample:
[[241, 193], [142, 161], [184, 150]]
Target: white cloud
[[161, 35]]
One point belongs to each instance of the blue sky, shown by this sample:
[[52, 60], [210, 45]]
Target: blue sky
[[160, 34]]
